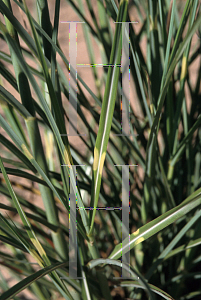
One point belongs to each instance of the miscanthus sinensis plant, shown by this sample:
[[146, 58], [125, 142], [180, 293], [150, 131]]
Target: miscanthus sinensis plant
[[164, 141]]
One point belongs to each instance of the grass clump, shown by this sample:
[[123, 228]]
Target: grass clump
[[162, 149]]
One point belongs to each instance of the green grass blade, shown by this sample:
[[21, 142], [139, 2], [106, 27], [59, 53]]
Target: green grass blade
[[9, 98], [17, 152], [159, 223], [23, 217], [95, 262], [30, 279], [107, 113], [172, 244], [43, 259], [151, 286]]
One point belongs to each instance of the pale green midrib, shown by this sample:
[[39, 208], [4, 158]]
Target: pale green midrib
[[104, 132]]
